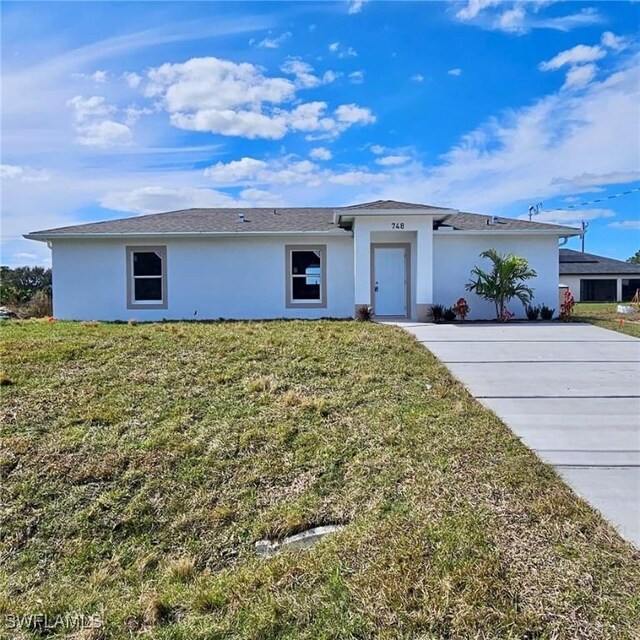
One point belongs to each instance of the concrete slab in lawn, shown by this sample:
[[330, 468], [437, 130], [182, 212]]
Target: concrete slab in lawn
[[571, 392]]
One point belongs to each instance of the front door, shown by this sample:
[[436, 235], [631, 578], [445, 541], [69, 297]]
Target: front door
[[390, 281]]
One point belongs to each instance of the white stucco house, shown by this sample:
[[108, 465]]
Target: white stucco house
[[398, 257]]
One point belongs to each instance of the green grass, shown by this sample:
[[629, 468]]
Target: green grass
[[603, 314], [141, 463]]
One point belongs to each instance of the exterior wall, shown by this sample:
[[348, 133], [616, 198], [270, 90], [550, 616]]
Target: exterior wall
[[573, 282], [206, 279], [455, 256]]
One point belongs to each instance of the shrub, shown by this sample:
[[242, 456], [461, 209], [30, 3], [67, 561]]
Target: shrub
[[437, 312], [504, 282], [38, 307], [461, 308], [449, 314], [364, 313], [566, 308], [533, 313], [546, 313]]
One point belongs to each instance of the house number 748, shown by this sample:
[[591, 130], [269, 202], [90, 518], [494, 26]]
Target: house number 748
[[397, 225]]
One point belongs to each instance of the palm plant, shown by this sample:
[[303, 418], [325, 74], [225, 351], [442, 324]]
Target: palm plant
[[504, 282]]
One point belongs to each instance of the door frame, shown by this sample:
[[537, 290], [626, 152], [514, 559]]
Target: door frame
[[407, 256]]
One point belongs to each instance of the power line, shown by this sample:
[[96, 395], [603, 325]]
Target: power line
[[535, 210]]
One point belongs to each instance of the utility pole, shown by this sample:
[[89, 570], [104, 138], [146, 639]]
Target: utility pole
[[585, 226]]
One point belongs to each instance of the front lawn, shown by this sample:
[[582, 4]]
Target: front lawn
[[141, 463], [604, 314]]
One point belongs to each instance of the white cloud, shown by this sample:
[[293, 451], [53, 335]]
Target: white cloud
[[518, 17], [100, 76], [342, 52], [356, 77], [625, 224], [154, 199], [513, 21], [356, 178], [209, 94], [612, 41], [320, 153], [272, 42], [579, 54], [304, 73], [94, 125], [474, 7], [353, 114], [377, 149], [132, 114], [23, 174], [106, 133], [87, 108], [580, 76], [594, 182], [417, 77], [389, 161], [355, 6], [543, 150], [8, 171], [455, 72], [287, 170], [132, 79]]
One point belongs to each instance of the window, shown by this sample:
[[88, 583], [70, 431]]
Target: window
[[593, 290], [146, 278], [306, 276]]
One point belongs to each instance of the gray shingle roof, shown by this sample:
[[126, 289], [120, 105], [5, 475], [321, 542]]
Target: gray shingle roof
[[213, 221], [578, 263], [475, 222], [389, 204], [270, 220]]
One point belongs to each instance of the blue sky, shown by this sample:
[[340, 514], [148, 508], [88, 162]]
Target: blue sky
[[113, 109]]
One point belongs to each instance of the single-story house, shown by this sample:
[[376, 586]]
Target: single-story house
[[398, 257], [592, 278]]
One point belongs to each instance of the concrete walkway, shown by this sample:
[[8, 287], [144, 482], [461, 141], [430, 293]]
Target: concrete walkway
[[571, 392]]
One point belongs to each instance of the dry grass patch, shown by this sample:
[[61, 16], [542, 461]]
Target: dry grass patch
[[140, 469]]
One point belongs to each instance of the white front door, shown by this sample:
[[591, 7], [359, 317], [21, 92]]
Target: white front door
[[390, 281]]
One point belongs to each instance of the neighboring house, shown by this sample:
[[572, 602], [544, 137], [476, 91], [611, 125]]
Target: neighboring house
[[598, 279], [292, 262]]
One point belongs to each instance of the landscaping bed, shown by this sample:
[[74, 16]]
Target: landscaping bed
[[141, 464]]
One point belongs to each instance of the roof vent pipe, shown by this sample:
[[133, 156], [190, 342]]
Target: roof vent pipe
[[241, 217]]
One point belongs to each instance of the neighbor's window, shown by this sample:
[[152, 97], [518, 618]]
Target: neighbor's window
[[146, 270], [306, 276]]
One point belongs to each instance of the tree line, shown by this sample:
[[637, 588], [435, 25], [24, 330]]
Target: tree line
[[19, 285]]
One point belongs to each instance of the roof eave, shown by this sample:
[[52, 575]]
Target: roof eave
[[562, 233], [48, 237]]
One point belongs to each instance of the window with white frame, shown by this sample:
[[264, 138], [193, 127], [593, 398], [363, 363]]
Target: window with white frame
[[146, 277], [306, 276]]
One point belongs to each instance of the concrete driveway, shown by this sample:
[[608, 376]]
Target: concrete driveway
[[571, 392]]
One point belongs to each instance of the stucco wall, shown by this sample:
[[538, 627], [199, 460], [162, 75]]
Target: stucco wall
[[455, 256], [230, 278]]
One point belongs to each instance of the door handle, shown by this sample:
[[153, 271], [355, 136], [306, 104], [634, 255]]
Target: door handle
[[376, 287]]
